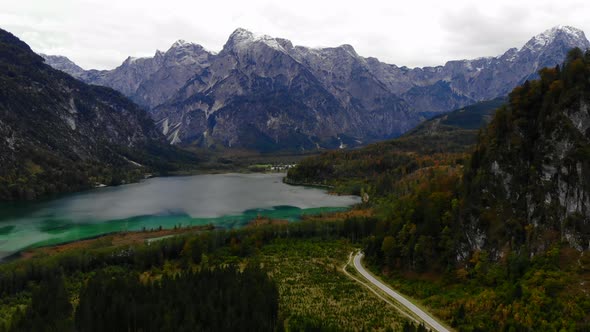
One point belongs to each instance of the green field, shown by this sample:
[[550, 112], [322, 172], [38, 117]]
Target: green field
[[314, 292]]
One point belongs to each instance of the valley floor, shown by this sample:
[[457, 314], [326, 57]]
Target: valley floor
[[314, 292]]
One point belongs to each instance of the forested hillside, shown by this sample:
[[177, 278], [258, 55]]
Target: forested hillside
[[528, 183], [60, 135], [442, 140], [505, 223], [458, 128]]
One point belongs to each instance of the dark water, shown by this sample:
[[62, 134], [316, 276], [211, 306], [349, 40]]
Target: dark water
[[225, 200]]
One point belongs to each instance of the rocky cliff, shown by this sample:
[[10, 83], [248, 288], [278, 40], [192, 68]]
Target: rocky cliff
[[529, 180], [264, 93]]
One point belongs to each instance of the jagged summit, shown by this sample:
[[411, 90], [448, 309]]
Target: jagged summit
[[184, 49], [258, 85], [241, 34], [180, 43], [570, 30], [132, 59], [242, 38], [64, 64], [567, 34]]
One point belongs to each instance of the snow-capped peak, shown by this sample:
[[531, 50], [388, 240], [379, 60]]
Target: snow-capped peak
[[241, 34], [242, 37], [183, 47], [181, 43], [572, 35], [572, 31]]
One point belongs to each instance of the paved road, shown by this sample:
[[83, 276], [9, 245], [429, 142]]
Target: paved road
[[398, 297]]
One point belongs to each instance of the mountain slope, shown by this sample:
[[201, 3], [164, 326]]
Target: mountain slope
[[264, 93], [59, 134], [457, 130], [64, 64], [529, 179], [525, 186], [479, 79], [256, 94], [444, 139], [147, 81], [501, 233]]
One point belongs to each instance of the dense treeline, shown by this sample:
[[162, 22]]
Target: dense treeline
[[50, 308], [204, 252], [417, 228], [508, 262], [210, 300], [527, 178], [376, 168], [115, 299], [44, 174], [190, 249]]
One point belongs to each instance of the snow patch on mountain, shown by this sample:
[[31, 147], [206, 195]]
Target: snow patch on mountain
[[241, 39], [545, 38]]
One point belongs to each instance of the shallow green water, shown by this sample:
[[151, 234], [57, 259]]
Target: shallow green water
[[223, 200]]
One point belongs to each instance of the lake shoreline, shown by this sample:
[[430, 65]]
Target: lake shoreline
[[134, 237], [147, 176], [118, 238], [230, 200]]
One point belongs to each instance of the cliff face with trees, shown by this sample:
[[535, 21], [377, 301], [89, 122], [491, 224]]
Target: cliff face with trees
[[529, 179], [524, 186], [505, 223]]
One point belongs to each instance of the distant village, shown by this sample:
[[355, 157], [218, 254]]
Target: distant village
[[282, 168], [271, 167]]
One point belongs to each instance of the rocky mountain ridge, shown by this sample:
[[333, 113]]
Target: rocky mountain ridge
[[264, 93]]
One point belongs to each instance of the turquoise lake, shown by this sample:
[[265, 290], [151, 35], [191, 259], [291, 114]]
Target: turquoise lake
[[223, 200]]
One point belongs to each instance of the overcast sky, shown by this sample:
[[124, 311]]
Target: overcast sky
[[102, 33]]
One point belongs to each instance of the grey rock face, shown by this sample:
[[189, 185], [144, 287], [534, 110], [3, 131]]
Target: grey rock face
[[147, 81], [563, 201], [528, 180], [264, 93], [260, 92], [64, 64], [480, 79]]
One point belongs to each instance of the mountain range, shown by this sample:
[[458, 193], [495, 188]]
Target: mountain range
[[524, 185], [265, 93]]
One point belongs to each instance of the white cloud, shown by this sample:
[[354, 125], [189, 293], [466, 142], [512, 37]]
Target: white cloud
[[102, 33]]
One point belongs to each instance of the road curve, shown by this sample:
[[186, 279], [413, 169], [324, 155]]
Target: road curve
[[398, 297]]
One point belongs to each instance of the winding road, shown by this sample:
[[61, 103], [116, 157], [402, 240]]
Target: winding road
[[397, 296]]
